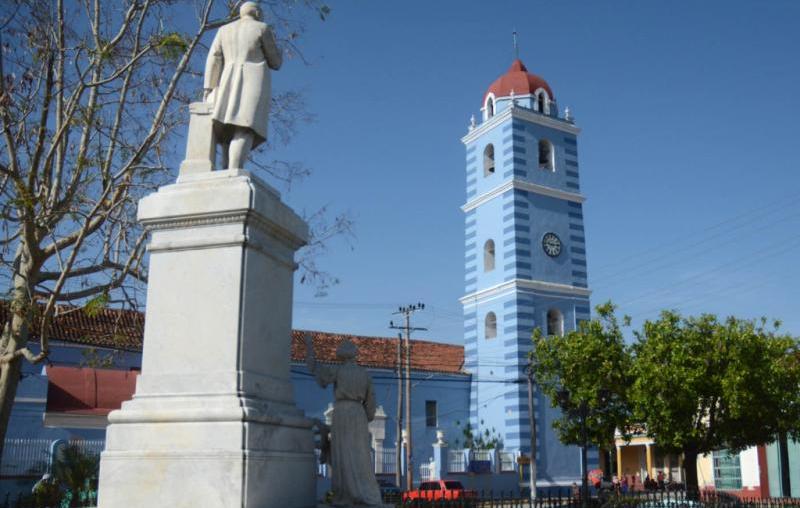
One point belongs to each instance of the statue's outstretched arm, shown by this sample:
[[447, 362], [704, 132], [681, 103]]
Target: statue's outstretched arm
[[324, 374]]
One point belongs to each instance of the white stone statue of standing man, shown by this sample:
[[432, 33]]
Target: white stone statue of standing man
[[237, 82], [353, 481]]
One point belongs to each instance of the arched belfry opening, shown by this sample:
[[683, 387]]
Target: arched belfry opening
[[490, 326], [541, 102], [488, 160], [488, 256], [546, 155], [555, 322]]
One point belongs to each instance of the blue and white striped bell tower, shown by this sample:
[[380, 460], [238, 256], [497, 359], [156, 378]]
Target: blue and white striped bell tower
[[525, 258]]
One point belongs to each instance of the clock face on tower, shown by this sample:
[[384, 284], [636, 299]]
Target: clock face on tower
[[551, 244]]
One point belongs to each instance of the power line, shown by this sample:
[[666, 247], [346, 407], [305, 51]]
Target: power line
[[791, 198], [367, 305], [740, 287], [768, 251], [346, 304], [647, 267]]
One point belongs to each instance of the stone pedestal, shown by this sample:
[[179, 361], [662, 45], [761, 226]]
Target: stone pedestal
[[200, 143], [213, 422]]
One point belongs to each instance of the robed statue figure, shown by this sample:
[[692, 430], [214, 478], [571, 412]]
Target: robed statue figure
[[237, 81], [354, 481]]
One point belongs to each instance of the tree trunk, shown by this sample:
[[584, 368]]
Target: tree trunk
[[15, 331], [9, 379], [690, 467], [783, 459], [15, 336]]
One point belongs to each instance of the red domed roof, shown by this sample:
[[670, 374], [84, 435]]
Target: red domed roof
[[518, 78]]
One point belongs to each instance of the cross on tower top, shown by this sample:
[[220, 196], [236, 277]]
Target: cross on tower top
[[516, 46]]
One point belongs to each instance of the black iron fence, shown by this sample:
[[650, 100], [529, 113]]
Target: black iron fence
[[604, 499], [500, 499]]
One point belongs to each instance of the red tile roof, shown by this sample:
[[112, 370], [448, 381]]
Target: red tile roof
[[518, 78], [381, 352], [111, 328], [85, 391], [123, 329]]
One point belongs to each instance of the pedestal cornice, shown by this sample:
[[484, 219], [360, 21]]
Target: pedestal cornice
[[221, 198]]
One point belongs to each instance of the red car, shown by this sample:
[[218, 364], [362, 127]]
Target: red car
[[439, 490]]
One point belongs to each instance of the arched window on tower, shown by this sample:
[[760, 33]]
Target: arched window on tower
[[546, 155], [488, 160], [490, 326], [488, 256], [555, 322], [489, 107], [541, 102]]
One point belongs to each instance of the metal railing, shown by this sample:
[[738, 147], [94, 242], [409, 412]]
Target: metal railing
[[482, 462], [89, 446], [25, 457], [483, 455], [385, 461], [457, 461], [508, 461], [426, 471], [31, 457]]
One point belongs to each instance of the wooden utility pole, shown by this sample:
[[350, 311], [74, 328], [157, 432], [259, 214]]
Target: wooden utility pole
[[398, 474], [407, 311], [532, 422]]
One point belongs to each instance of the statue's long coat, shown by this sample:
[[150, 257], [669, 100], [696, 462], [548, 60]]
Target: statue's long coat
[[238, 70]]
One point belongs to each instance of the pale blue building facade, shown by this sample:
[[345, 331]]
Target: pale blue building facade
[[525, 259], [440, 402]]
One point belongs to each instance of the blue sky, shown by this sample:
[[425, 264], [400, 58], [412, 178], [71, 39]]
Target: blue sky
[[688, 151]]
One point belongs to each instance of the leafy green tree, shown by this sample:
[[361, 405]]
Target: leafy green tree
[[77, 473], [702, 384], [479, 438], [586, 373]]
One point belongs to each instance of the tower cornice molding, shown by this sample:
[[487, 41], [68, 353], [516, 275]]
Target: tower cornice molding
[[516, 284], [547, 121], [487, 125], [516, 183], [523, 114]]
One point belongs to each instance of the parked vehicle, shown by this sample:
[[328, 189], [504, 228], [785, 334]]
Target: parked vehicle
[[388, 489], [439, 490]]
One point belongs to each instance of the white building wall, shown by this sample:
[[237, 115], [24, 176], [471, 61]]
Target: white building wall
[[748, 462]]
